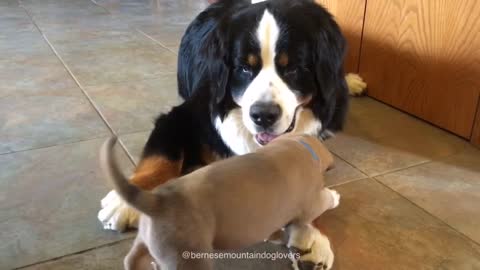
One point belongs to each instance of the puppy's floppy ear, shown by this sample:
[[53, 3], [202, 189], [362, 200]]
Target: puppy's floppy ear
[[329, 52], [216, 52]]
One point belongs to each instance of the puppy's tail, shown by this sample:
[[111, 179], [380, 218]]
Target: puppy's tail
[[143, 201]]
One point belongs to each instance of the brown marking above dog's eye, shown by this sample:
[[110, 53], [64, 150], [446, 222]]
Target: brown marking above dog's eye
[[283, 59], [252, 60]]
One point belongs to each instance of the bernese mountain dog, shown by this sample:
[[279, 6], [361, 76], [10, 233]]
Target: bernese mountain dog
[[248, 72]]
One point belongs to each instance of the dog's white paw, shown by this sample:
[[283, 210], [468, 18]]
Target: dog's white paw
[[335, 196], [356, 85], [116, 214], [314, 247]]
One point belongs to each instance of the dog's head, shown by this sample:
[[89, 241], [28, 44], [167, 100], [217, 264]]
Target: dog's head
[[276, 67]]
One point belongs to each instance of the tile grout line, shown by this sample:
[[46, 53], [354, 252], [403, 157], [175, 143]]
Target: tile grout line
[[71, 142], [100, 6], [425, 211], [347, 182], [145, 79], [374, 178], [425, 162], [90, 100], [155, 41], [365, 176], [401, 169], [137, 29], [344, 160], [54, 145], [382, 173], [75, 253]]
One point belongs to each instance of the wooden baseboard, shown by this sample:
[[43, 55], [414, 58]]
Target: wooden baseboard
[[475, 139]]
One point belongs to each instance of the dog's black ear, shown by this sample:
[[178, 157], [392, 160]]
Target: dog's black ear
[[216, 52], [331, 102]]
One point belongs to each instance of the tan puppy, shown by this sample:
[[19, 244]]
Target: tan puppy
[[230, 204]]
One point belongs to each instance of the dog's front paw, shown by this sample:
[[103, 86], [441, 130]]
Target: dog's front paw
[[356, 85], [314, 249], [321, 254], [116, 214]]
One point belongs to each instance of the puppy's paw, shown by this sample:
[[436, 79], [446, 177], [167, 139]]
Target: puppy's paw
[[335, 196], [315, 250], [356, 85], [116, 215]]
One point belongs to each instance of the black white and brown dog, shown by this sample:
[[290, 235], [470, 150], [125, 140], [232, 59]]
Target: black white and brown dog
[[248, 72]]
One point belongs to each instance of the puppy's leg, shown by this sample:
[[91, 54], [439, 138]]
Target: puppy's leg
[[197, 264], [197, 241], [328, 199], [181, 257], [314, 247], [138, 257]]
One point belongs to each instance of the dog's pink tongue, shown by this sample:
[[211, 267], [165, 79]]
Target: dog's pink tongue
[[264, 138]]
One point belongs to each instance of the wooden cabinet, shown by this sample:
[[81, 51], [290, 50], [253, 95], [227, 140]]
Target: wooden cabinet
[[423, 57], [420, 56], [349, 15]]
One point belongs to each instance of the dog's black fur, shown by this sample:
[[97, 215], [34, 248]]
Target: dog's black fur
[[207, 77]]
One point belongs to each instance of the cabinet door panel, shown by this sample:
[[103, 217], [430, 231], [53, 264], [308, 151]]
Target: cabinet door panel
[[349, 15], [423, 56]]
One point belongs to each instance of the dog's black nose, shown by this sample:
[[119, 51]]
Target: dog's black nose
[[265, 114]]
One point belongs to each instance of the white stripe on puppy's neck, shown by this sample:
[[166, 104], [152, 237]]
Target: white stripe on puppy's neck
[[257, 1]]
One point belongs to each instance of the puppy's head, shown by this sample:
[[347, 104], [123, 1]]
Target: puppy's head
[[277, 67]]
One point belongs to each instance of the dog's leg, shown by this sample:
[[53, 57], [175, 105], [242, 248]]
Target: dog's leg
[[116, 214], [138, 257], [162, 160], [312, 246], [150, 173], [356, 85]]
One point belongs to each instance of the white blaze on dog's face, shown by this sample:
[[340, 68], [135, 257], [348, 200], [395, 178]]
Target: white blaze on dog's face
[[269, 105], [268, 90]]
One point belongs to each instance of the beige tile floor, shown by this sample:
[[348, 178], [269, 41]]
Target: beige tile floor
[[71, 71]]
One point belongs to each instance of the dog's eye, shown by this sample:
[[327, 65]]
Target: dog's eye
[[246, 70], [290, 72]]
